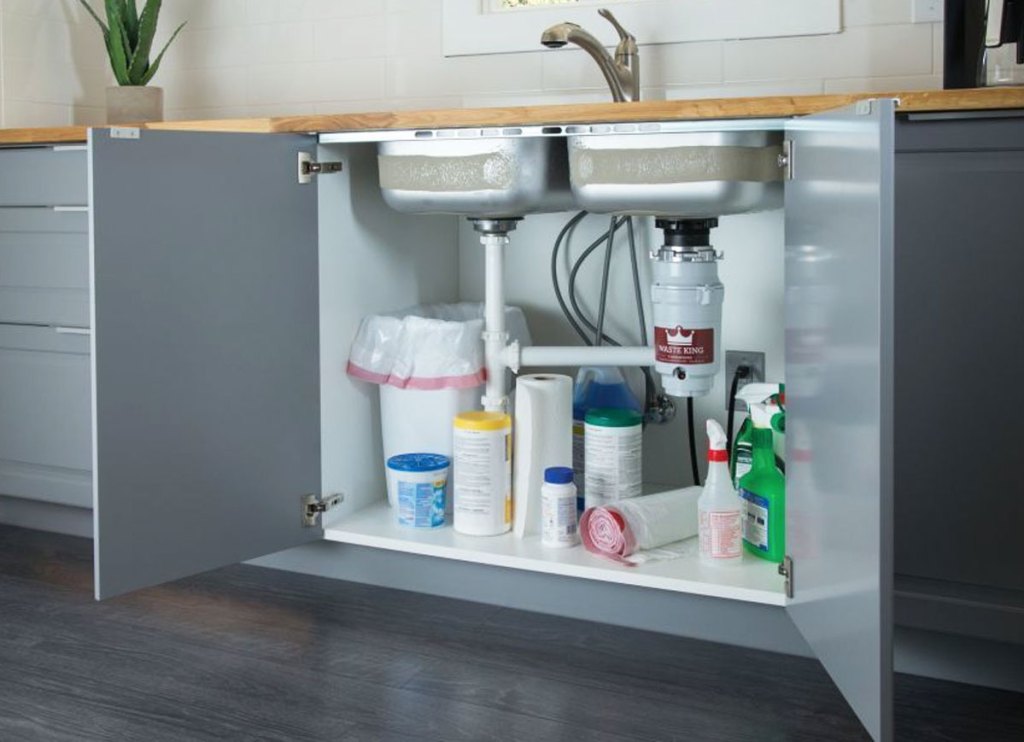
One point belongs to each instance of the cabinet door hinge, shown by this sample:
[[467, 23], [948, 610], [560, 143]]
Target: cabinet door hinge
[[786, 159], [313, 506], [308, 167], [786, 570]]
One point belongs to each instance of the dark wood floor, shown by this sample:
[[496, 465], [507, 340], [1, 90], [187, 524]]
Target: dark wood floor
[[247, 653]]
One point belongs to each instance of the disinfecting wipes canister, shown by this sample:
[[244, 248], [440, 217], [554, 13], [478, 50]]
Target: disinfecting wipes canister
[[612, 442], [482, 476]]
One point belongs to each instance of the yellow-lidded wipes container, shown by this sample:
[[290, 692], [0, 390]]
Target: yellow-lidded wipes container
[[482, 473]]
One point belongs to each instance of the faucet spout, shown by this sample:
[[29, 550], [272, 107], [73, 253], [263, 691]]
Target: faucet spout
[[622, 73]]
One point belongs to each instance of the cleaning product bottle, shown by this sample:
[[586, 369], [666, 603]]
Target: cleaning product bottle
[[763, 489], [719, 510], [743, 444], [596, 387]]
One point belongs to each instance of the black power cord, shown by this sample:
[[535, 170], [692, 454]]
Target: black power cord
[[742, 371], [693, 442]]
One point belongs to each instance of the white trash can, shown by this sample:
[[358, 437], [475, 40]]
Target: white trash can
[[429, 363]]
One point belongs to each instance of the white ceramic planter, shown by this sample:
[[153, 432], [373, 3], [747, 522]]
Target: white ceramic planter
[[131, 104]]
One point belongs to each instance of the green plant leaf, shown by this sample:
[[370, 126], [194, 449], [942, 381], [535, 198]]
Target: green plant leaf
[[147, 31], [130, 14], [116, 47], [156, 63], [106, 31]]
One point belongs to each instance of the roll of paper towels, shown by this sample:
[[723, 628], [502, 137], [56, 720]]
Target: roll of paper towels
[[542, 438]]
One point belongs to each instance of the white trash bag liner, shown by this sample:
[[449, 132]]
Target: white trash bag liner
[[428, 347], [429, 364]]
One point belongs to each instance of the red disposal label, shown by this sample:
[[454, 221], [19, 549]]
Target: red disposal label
[[682, 346]]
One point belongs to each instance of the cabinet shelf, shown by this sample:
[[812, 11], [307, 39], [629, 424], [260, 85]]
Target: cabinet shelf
[[754, 581]]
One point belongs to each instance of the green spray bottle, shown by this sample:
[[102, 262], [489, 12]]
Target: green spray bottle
[[742, 457], [763, 490]]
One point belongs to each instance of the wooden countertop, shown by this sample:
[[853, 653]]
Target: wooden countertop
[[663, 110]]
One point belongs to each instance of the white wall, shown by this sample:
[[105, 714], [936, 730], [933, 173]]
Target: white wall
[[52, 65], [261, 57]]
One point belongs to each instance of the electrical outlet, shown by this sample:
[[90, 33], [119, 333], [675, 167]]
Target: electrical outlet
[[927, 11], [735, 358]]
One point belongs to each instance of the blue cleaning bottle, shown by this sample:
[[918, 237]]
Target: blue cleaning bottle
[[596, 386]]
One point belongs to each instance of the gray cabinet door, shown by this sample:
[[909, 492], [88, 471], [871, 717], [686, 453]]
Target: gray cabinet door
[[206, 352], [839, 257]]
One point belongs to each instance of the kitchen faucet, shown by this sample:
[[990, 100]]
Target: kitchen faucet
[[622, 72]]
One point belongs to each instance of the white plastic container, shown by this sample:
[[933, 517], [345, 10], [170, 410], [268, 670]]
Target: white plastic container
[[482, 473], [613, 441], [421, 420], [719, 509], [418, 483], [559, 523]]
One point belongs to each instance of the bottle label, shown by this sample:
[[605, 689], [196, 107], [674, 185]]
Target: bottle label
[[721, 533], [421, 504], [559, 526], [578, 465], [755, 521], [744, 461], [679, 345]]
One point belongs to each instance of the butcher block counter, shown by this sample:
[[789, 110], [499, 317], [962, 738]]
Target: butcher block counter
[[917, 101]]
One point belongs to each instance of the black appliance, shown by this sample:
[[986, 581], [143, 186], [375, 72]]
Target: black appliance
[[971, 27]]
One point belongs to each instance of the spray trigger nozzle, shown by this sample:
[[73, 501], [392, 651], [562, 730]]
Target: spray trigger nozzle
[[716, 436]]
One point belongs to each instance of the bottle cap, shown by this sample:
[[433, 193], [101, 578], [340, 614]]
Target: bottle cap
[[558, 475]]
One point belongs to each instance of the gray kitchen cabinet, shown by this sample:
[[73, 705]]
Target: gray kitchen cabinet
[[45, 415], [53, 175], [958, 512], [45, 411], [44, 262], [226, 292]]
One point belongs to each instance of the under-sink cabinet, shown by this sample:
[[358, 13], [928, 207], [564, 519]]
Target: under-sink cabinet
[[224, 293]]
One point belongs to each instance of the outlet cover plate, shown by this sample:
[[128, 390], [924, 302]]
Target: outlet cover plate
[[735, 358]]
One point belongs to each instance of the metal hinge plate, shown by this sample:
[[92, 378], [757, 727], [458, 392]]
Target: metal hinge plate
[[308, 167], [313, 506], [786, 159], [786, 570]]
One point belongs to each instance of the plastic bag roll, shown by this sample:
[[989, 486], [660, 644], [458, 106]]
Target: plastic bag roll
[[621, 530], [543, 438]]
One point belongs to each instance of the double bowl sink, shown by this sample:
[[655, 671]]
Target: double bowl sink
[[691, 174]]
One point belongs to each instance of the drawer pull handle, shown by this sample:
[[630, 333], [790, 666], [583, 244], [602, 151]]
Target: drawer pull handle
[[72, 330], [60, 209]]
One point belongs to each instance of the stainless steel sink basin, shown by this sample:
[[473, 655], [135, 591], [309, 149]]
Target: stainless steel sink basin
[[475, 177], [682, 174]]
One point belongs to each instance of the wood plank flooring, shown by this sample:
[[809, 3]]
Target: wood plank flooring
[[245, 653]]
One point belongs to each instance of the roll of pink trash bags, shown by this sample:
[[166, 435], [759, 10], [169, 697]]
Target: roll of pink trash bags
[[624, 530]]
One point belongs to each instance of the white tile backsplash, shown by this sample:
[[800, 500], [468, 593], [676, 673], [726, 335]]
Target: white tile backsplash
[[861, 51], [264, 57]]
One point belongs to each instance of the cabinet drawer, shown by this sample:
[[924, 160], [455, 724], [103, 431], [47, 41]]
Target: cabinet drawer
[[45, 415], [44, 266], [44, 176]]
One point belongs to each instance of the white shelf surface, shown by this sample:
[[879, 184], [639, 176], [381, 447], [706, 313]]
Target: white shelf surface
[[755, 581]]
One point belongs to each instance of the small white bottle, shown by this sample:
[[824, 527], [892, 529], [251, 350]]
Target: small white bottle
[[559, 524], [720, 508]]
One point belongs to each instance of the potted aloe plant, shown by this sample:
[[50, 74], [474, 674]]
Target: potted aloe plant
[[128, 35]]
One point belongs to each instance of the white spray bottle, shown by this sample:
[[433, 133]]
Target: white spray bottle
[[719, 509]]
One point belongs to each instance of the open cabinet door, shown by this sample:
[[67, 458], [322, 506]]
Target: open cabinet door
[[839, 375], [205, 346]]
